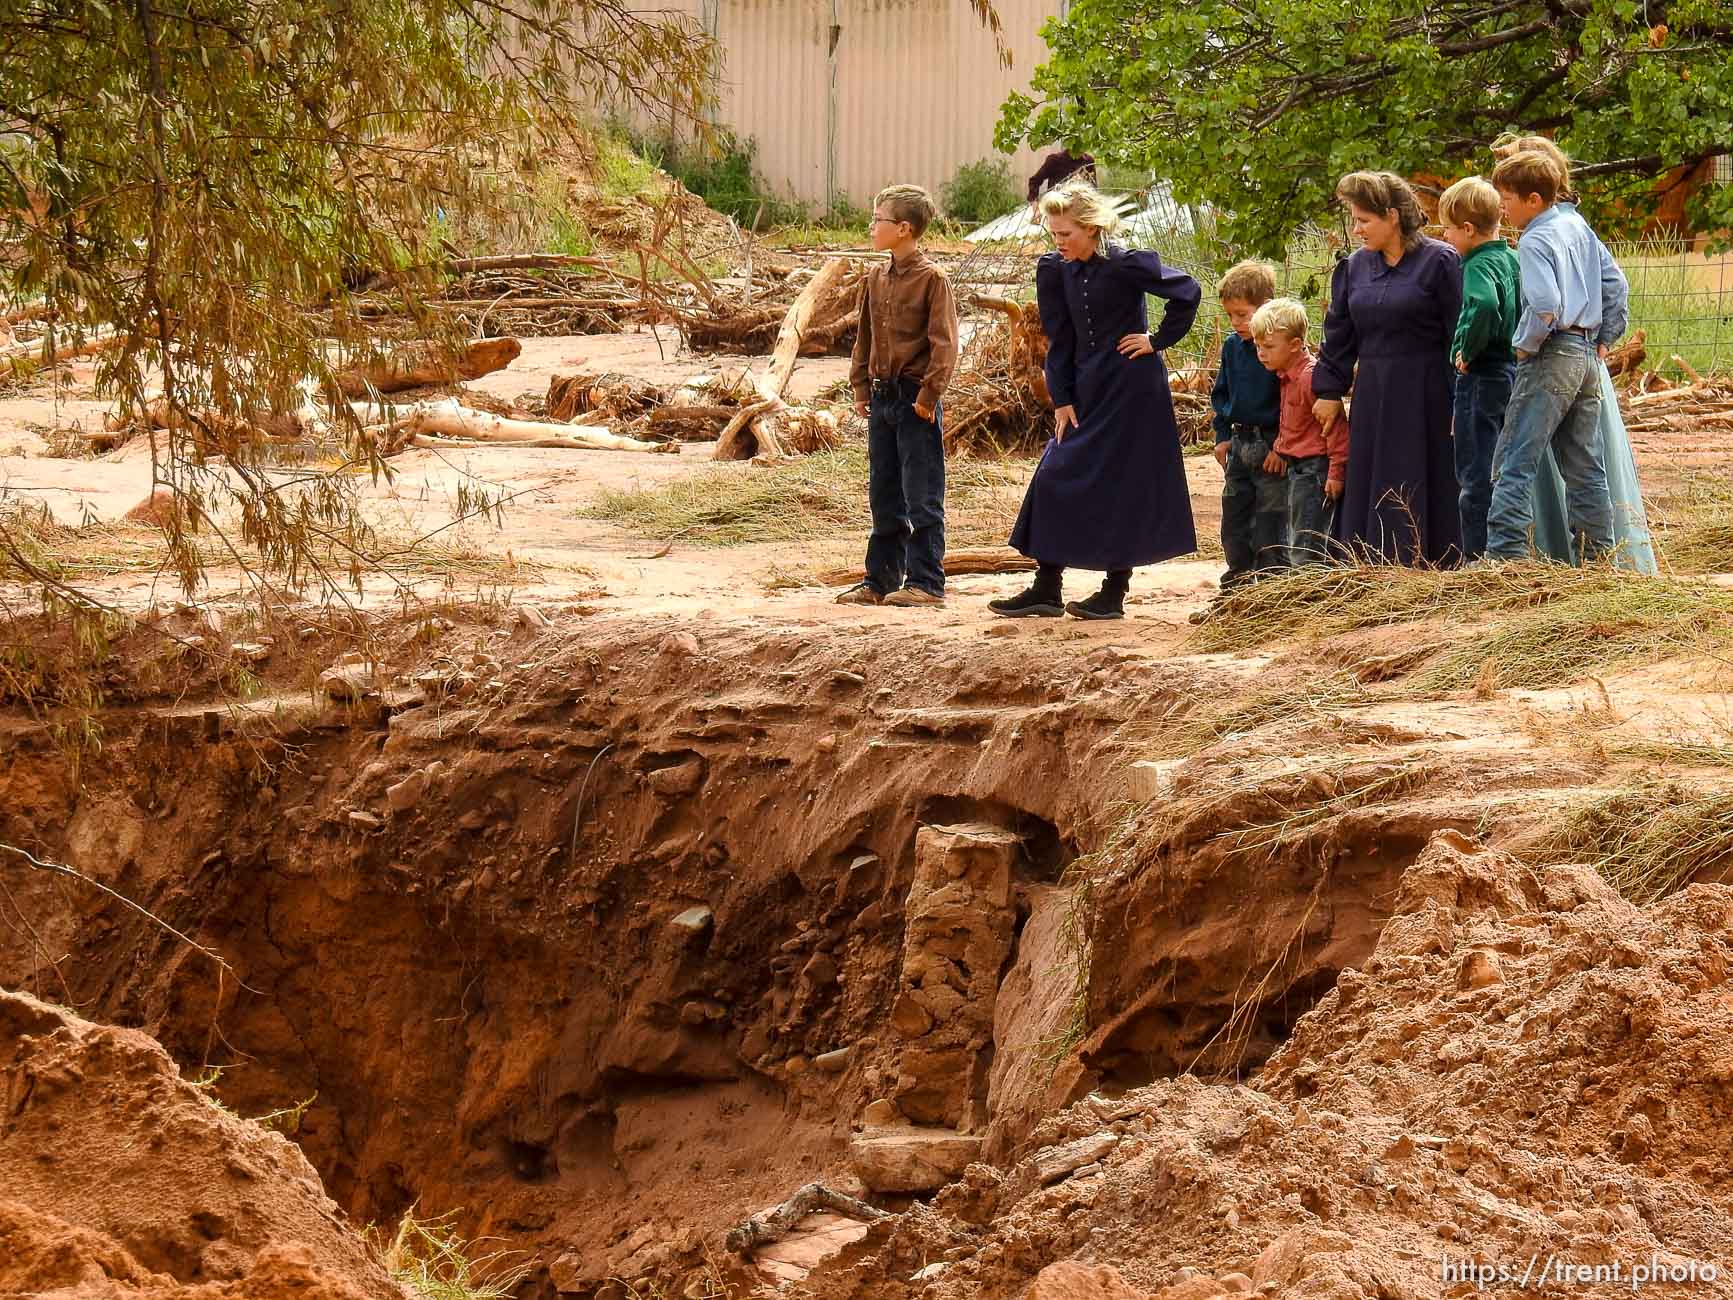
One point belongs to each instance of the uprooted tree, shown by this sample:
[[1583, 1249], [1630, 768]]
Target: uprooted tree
[[181, 181], [1257, 106]]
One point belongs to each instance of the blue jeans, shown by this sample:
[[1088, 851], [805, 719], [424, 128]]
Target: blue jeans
[[1482, 397], [1556, 400], [906, 489], [1254, 508], [1311, 513]]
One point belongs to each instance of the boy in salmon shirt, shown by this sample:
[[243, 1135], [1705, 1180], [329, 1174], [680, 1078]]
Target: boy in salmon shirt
[[1314, 464]]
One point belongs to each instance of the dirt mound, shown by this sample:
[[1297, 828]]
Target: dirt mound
[[1527, 1069], [123, 1179]]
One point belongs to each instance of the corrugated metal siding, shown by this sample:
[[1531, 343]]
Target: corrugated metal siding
[[917, 93]]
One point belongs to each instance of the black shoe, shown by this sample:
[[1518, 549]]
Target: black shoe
[[1105, 603], [1033, 603]]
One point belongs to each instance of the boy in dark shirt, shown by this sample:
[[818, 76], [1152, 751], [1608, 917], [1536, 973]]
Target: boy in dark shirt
[[1247, 403], [904, 355]]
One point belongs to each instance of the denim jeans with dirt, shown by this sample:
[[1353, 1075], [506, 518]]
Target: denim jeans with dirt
[[1477, 418], [1311, 513], [906, 490], [1556, 401], [1254, 509]]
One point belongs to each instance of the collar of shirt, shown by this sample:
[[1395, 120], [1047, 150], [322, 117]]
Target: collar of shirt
[[914, 258], [1478, 249], [1544, 218]]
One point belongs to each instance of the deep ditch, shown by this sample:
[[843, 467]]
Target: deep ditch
[[639, 941]]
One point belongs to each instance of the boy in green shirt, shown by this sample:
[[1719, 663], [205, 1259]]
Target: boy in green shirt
[[1481, 350]]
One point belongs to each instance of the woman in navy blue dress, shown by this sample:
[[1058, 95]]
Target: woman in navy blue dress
[[1110, 491], [1393, 309]]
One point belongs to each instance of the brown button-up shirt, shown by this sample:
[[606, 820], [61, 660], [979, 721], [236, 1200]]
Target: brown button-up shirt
[[908, 326]]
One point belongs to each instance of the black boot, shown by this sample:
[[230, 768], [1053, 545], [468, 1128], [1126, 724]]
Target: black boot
[[1043, 599], [1109, 602]]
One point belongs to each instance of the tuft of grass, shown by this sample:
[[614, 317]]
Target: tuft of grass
[[429, 1258], [1647, 841], [816, 496], [1553, 623], [1693, 533]]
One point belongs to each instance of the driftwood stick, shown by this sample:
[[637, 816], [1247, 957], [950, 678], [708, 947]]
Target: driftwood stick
[[965, 559], [455, 421], [773, 1225], [426, 363]]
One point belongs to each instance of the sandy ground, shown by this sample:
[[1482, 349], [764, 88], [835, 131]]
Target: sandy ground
[[547, 489]]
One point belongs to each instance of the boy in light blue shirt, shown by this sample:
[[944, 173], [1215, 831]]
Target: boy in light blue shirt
[[1574, 308]]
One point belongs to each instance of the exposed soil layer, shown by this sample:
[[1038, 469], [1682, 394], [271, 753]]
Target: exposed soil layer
[[1525, 1068], [122, 1179], [631, 943]]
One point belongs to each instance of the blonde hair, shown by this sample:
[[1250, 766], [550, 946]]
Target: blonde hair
[[1472, 201], [1248, 281], [908, 203], [1083, 203], [1285, 316], [1510, 144], [1380, 192], [1531, 172]]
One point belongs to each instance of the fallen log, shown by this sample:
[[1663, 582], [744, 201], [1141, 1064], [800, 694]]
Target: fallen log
[[1628, 355], [966, 559], [420, 364], [521, 262], [37, 353], [775, 1224], [449, 418]]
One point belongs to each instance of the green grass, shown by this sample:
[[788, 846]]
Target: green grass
[[817, 496], [1682, 304], [1647, 841]]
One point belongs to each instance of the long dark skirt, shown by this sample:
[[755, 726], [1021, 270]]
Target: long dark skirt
[[1400, 500]]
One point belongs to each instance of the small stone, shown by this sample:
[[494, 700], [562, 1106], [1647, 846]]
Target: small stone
[[679, 645], [530, 616], [365, 820], [826, 744], [842, 678], [1237, 1283], [1054, 1163], [694, 921], [308, 633], [909, 1018], [834, 1062], [1478, 970], [251, 652], [879, 1113], [679, 780], [348, 682], [406, 794], [693, 1014], [796, 1065], [930, 1272]]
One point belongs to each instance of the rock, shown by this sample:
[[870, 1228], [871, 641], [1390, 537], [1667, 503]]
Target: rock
[[879, 1113], [530, 616], [796, 1065], [679, 780], [908, 1159], [1191, 1288], [1478, 970], [251, 652], [1237, 1283], [834, 1062], [1054, 1163], [1071, 1280], [694, 921], [843, 678], [930, 1273], [1147, 779], [569, 1275], [406, 794], [909, 1018], [679, 645], [1282, 1260], [365, 820], [826, 744], [348, 682]]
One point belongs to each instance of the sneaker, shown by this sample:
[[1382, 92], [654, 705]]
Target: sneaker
[[1103, 604], [914, 596], [1031, 603], [860, 594]]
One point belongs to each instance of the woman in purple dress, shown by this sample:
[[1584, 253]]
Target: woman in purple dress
[[1110, 491], [1393, 309]]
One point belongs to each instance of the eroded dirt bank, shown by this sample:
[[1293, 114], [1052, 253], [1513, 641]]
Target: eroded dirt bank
[[630, 945]]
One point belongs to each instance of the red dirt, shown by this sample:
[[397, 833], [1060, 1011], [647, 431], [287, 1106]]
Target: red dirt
[[121, 1179]]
